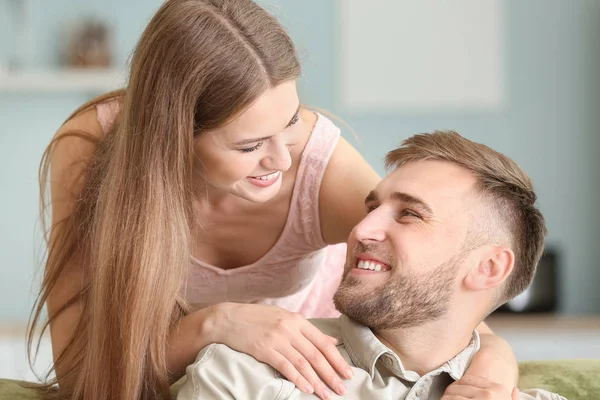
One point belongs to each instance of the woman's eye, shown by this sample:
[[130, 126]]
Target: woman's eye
[[294, 120], [251, 149]]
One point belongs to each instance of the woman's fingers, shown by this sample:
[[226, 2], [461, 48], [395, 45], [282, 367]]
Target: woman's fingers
[[289, 343], [305, 370], [476, 387], [287, 369], [326, 345], [312, 357]]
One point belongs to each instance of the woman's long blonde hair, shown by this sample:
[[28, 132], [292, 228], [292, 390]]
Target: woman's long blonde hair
[[198, 64]]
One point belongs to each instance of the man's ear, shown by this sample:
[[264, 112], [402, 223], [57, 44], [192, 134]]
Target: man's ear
[[494, 266]]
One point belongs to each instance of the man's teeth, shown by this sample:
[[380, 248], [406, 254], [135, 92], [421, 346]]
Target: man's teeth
[[267, 177], [372, 265]]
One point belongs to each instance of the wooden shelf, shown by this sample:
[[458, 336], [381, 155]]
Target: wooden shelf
[[61, 81], [15, 330]]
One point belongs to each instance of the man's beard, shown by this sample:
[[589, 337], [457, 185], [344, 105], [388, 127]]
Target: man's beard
[[402, 302]]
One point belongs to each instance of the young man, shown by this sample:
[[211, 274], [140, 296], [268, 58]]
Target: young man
[[451, 234]]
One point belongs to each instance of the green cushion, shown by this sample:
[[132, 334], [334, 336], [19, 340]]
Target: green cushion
[[14, 390], [17, 390], [573, 379]]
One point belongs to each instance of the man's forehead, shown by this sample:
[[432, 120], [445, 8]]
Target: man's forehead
[[438, 183]]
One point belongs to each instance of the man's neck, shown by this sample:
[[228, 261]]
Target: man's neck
[[426, 347]]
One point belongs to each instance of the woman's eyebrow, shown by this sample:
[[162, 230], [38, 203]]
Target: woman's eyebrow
[[254, 140]]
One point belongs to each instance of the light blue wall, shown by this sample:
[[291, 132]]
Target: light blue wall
[[549, 124], [27, 123]]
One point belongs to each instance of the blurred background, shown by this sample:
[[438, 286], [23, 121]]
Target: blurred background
[[521, 77]]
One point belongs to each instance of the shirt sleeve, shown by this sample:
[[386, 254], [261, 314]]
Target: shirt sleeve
[[539, 394], [221, 373]]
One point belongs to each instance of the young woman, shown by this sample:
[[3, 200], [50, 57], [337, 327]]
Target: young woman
[[197, 206]]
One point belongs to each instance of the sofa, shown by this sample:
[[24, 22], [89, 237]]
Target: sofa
[[574, 379]]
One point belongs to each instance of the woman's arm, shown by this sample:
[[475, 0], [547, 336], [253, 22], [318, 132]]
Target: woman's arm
[[347, 181], [284, 340], [190, 335], [495, 360], [493, 373]]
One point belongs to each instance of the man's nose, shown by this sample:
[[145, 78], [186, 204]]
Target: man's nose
[[372, 227]]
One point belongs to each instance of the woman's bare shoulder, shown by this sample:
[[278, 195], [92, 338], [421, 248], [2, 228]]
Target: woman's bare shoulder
[[86, 121], [77, 138], [72, 148]]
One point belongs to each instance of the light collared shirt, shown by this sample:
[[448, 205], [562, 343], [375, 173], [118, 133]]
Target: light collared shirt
[[220, 373]]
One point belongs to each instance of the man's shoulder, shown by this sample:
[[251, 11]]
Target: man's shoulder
[[218, 351], [222, 373], [329, 326]]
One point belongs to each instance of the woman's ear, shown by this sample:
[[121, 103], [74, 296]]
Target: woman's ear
[[494, 266]]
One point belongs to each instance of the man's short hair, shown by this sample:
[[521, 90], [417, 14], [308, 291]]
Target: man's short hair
[[508, 190]]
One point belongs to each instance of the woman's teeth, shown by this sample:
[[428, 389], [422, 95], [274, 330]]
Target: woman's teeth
[[267, 177], [372, 265], [265, 180]]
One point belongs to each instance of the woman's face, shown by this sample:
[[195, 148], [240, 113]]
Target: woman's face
[[248, 156]]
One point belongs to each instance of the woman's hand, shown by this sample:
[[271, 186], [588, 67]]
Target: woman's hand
[[284, 340], [476, 387], [492, 374]]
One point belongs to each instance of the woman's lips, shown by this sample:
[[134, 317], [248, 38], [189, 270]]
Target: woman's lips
[[264, 180]]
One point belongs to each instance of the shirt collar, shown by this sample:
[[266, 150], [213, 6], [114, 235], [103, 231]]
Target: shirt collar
[[365, 350]]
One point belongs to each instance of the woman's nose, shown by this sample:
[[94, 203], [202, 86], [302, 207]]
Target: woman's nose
[[279, 157]]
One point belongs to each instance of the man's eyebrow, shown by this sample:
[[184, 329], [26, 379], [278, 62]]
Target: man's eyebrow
[[371, 197], [414, 200], [254, 140]]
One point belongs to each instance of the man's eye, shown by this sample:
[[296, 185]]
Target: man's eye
[[370, 208], [409, 213], [251, 149]]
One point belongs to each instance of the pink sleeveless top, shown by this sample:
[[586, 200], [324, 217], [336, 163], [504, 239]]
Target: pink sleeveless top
[[300, 272]]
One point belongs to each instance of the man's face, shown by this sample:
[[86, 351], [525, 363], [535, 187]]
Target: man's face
[[404, 257]]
